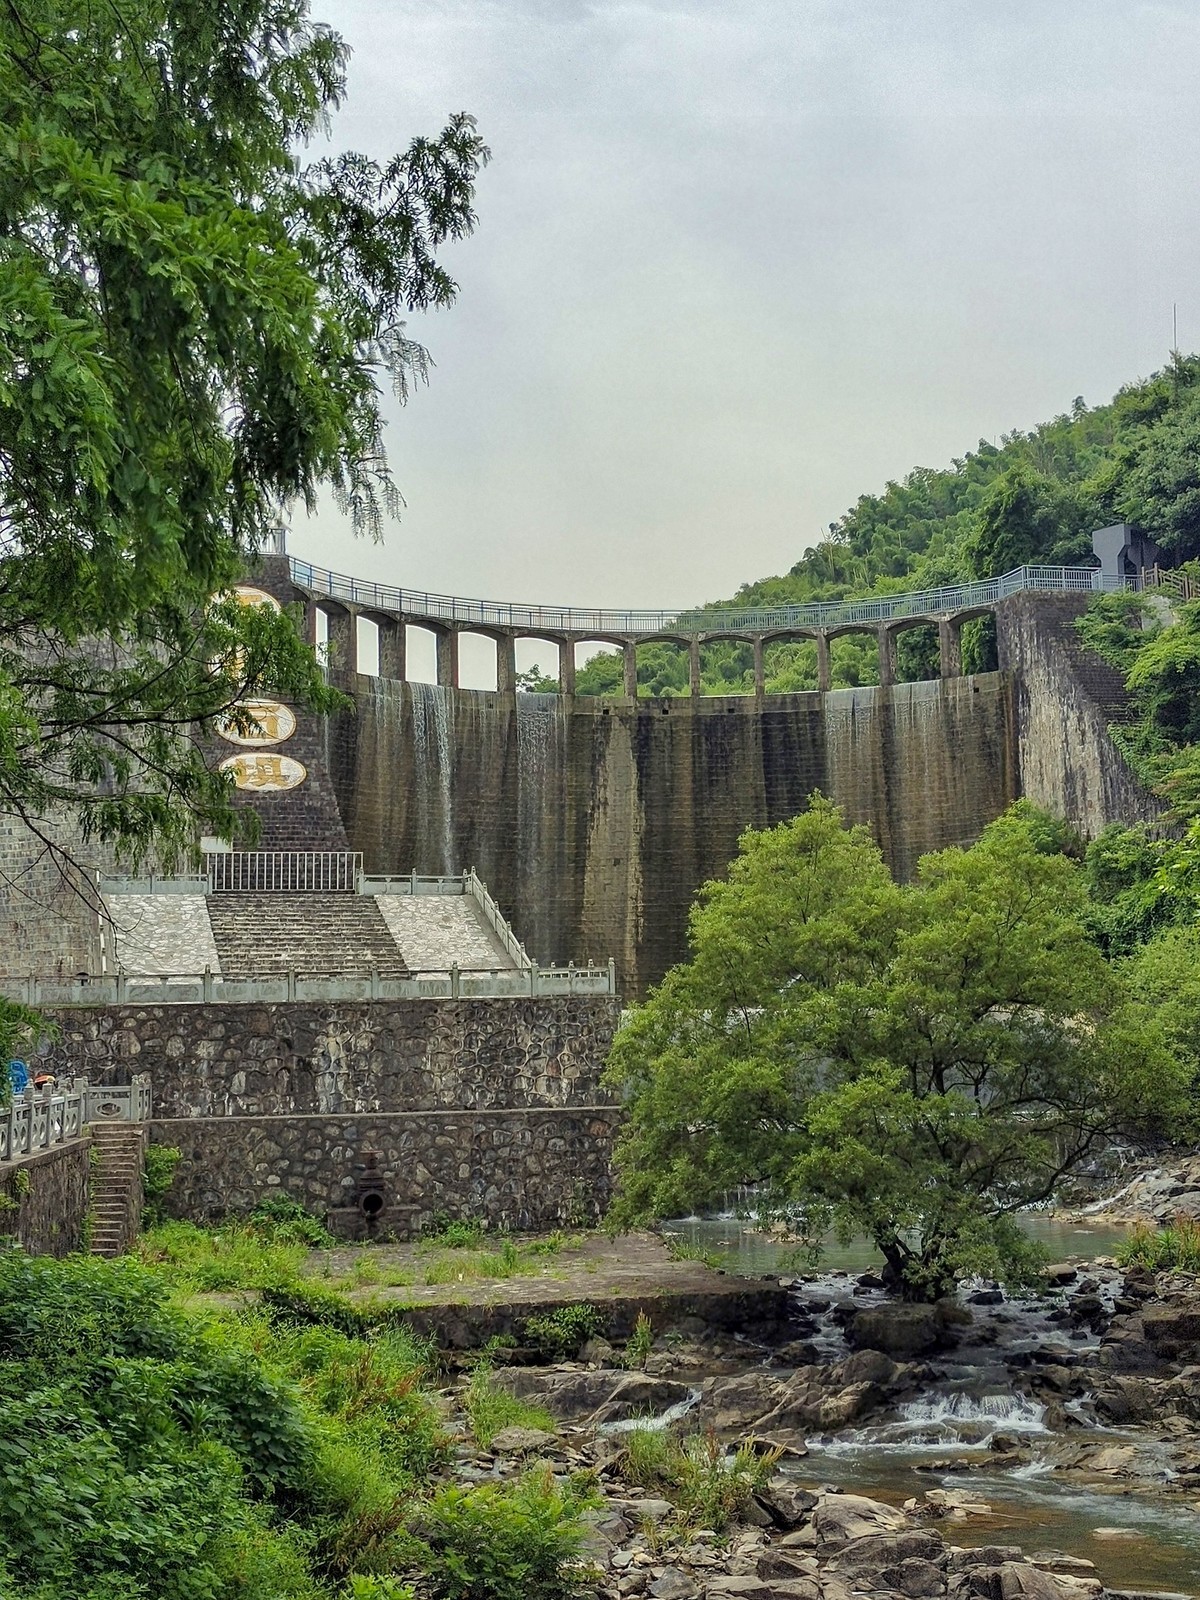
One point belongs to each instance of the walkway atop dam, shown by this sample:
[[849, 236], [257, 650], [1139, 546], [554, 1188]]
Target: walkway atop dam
[[340, 600]]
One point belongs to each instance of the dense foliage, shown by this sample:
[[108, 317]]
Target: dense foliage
[[914, 1062], [192, 332], [149, 1454]]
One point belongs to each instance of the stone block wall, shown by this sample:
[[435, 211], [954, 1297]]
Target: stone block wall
[[45, 1199], [518, 1169], [302, 1058], [484, 1108]]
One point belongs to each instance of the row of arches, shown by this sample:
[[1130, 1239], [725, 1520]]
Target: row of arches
[[780, 660]]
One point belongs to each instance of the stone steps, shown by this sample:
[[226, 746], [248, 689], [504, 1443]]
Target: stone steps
[[116, 1186], [308, 933]]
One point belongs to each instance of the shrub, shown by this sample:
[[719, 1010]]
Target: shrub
[[561, 1333], [158, 1172], [301, 1304], [1176, 1248], [503, 1541], [283, 1220], [454, 1233]]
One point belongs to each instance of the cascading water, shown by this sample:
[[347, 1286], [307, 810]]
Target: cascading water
[[653, 1424], [434, 775]]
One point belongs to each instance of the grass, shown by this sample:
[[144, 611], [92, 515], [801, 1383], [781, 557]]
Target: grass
[[1163, 1249], [207, 1260], [709, 1486], [262, 1252], [681, 1249], [490, 1408]]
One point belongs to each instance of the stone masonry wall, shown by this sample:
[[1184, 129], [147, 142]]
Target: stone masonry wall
[[1066, 701], [512, 1169], [410, 1055], [45, 1199], [593, 822]]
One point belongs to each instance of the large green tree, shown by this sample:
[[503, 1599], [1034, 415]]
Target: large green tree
[[915, 1062], [193, 333]]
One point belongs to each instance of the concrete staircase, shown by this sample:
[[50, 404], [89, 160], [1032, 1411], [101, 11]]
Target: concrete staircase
[[116, 1208], [308, 933]]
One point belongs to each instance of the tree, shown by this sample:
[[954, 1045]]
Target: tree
[[192, 333], [1162, 489], [1026, 518], [914, 1062]]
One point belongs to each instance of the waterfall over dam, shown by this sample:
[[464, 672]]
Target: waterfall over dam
[[594, 822]]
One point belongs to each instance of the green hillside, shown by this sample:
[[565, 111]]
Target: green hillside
[[1033, 498]]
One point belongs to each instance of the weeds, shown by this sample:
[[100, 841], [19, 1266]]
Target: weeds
[[1163, 1249], [709, 1486], [232, 1257], [454, 1233], [681, 1249], [640, 1342], [490, 1408]]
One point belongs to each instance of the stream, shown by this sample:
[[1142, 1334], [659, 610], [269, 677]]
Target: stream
[[1139, 1539]]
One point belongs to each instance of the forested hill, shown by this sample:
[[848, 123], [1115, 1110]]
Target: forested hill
[[1033, 498]]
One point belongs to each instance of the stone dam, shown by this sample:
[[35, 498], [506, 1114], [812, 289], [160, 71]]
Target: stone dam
[[338, 1017]]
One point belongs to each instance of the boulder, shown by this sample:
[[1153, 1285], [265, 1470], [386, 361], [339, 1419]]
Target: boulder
[[1172, 1324], [897, 1329], [646, 1509], [1122, 1399], [1060, 1274], [839, 1519], [598, 1352], [521, 1441], [573, 1393], [786, 1503], [1114, 1458], [984, 1555], [672, 1584], [878, 1550]]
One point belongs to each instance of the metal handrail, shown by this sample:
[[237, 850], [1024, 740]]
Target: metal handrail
[[947, 600], [283, 871]]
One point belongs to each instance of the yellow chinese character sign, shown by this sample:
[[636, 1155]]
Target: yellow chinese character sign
[[264, 771], [273, 723]]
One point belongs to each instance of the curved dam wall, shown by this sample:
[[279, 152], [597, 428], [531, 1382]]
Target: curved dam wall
[[594, 821]]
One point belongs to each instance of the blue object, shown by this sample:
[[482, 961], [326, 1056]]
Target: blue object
[[18, 1074]]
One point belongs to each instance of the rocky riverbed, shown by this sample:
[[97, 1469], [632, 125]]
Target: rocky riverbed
[[1047, 1446]]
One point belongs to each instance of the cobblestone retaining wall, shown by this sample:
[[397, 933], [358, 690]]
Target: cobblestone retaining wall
[[45, 1199], [512, 1169], [407, 1055]]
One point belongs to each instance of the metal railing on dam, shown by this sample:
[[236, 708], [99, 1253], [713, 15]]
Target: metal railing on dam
[[950, 600]]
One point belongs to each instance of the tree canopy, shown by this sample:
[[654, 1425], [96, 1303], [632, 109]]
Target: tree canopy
[[915, 1062], [193, 333]]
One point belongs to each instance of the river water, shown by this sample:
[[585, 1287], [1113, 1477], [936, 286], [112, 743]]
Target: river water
[[1140, 1538]]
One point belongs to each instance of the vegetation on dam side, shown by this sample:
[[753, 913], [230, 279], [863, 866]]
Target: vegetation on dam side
[[1034, 497], [914, 1062]]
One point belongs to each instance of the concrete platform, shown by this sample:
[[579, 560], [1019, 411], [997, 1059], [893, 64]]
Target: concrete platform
[[621, 1277]]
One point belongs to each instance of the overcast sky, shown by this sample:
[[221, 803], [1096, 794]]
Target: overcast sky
[[738, 263]]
